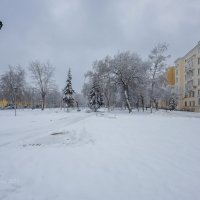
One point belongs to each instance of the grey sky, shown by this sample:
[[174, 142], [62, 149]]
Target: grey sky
[[74, 33]]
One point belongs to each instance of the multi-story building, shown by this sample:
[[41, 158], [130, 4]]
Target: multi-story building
[[180, 82], [188, 80]]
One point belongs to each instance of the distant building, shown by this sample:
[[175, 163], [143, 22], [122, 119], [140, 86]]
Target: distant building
[[187, 81], [168, 84]]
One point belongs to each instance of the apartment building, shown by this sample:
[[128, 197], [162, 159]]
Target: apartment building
[[180, 82], [187, 82]]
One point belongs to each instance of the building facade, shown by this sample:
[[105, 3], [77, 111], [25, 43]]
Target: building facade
[[187, 82], [171, 76]]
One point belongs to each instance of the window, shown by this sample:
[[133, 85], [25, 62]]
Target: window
[[199, 81], [198, 92], [190, 103], [186, 103], [193, 103], [191, 94], [199, 102], [199, 71], [198, 61]]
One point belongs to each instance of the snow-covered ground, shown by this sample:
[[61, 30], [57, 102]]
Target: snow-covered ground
[[54, 155]]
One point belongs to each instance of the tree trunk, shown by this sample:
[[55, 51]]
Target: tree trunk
[[152, 91], [142, 99], [137, 105], [43, 102], [127, 101], [151, 106]]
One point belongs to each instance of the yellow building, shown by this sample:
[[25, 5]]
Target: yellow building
[[171, 76], [3, 103], [188, 80]]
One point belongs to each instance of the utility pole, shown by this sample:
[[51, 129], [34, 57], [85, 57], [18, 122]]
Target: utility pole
[[15, 94], [33, 97]]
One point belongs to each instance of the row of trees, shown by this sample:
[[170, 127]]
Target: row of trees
[[125, 80], [14, 85], [43, 92]]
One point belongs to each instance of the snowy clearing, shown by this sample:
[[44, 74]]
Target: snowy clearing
[[54, 155]]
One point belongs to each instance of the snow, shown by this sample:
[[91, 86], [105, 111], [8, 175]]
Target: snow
[[58, 155]]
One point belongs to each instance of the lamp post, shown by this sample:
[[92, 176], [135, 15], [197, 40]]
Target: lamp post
[[33, 90], [15, 93], [1, 24]]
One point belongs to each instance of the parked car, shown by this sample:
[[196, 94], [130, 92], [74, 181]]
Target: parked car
[[10, 106]]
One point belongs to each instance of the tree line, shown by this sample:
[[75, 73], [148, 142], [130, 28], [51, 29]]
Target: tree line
[[41, 91], [125, 80]]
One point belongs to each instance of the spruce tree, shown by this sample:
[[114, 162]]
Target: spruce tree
[[68, 92], [172, 104], [95, 97]]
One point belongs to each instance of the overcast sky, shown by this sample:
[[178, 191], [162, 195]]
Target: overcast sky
[[74, 33]]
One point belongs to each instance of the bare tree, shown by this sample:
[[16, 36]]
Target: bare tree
[[42, 74], [157, 60], [54, 97], [11, 82]]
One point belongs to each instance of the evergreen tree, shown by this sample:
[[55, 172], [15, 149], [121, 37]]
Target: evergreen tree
[[172, 104], [68, 91], [95, 97]]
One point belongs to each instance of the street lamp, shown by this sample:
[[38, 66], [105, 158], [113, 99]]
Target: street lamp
[[1, 24], [15, 94], [33, 90]]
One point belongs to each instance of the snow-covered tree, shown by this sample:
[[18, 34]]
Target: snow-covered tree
[[119, 79], [128, 70], [102, 72], [172, 104], [95, 97], [68, 91], [157, 60]]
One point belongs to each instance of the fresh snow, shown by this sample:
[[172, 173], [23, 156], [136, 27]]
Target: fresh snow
[[58, 155]]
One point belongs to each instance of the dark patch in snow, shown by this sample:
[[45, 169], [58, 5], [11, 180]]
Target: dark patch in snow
[[60, 133], [68, 138], [25, 145]]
